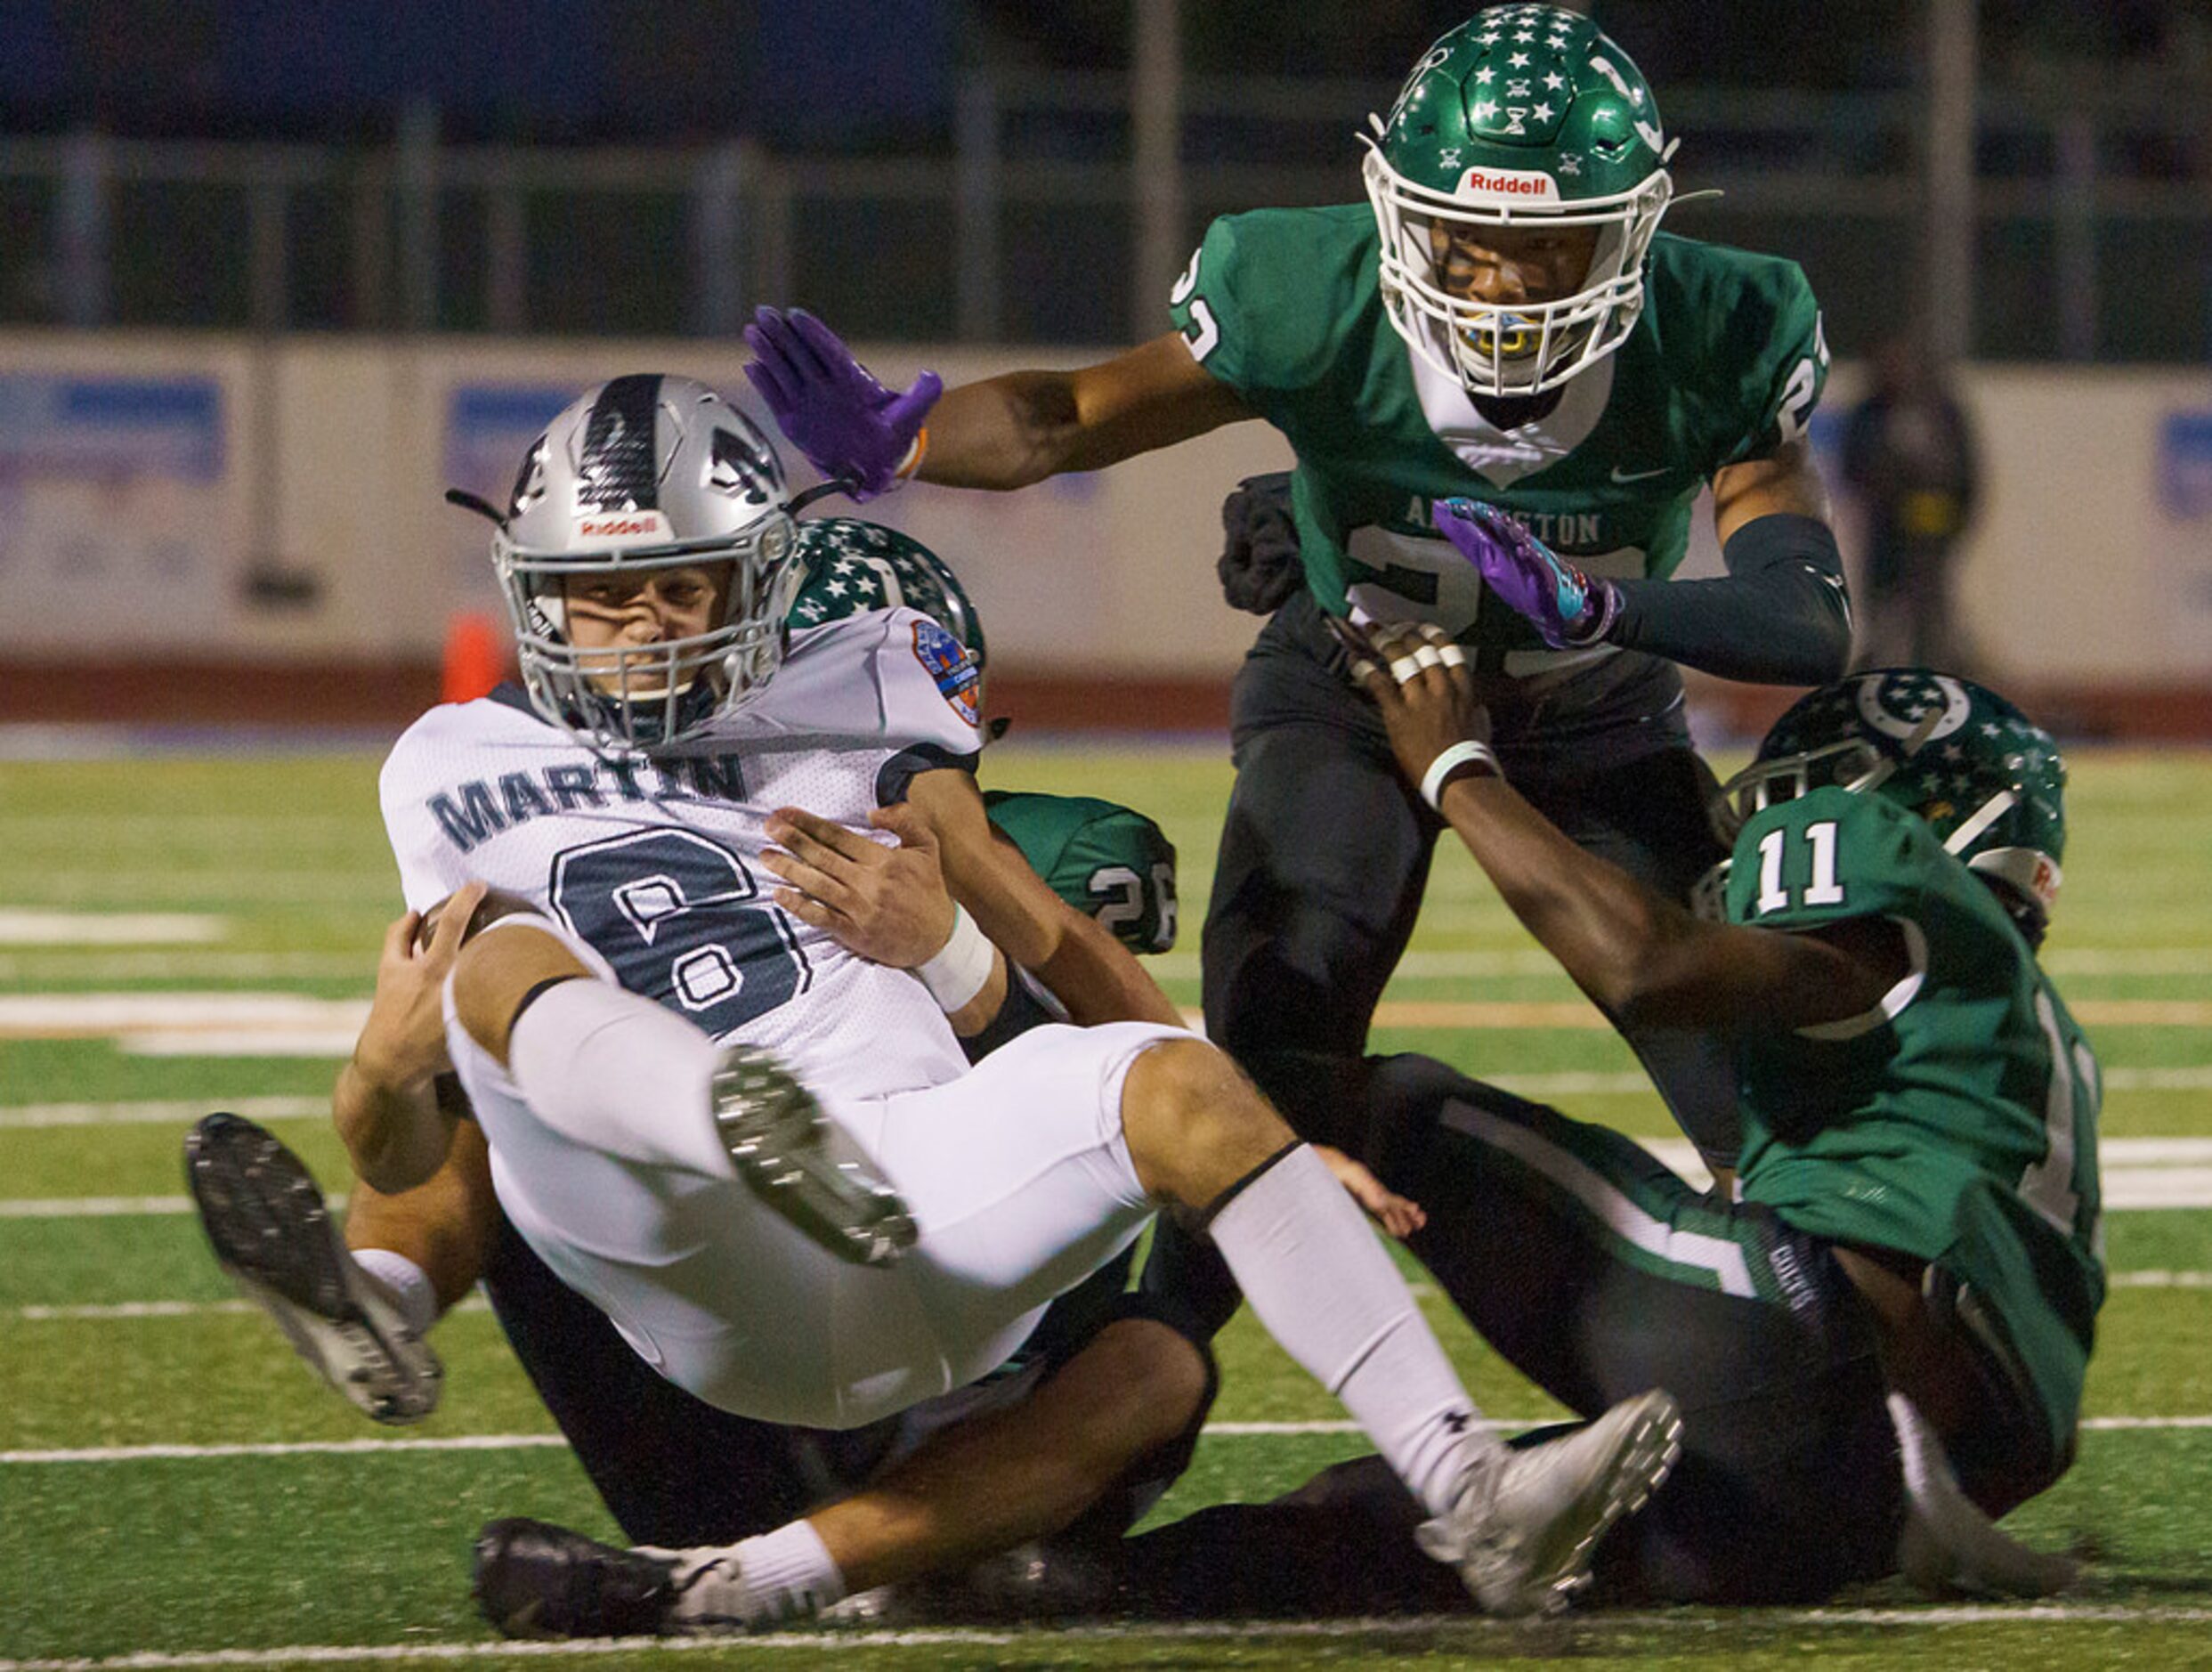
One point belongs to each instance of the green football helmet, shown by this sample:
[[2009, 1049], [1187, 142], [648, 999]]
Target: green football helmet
[[849, 566], [1988, 781], [1524, 116]]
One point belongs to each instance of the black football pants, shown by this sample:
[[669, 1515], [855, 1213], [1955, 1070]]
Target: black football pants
[[1326, 851], [1598, 1273]]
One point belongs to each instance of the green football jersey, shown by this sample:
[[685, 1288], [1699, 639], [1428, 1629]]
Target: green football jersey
[[1105, 860], [1958, 1121], [1725, 363]]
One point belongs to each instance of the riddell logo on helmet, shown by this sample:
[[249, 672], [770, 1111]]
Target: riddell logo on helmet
[[1510, 182], [623, 525]]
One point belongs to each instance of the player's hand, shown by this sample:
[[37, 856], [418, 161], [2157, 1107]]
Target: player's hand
[[830, 406], [1420, 679], [402, 1043], [1400, 1215], [1567, 607], [885, 903]]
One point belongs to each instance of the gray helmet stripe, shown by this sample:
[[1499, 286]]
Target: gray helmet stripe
[[616, 471]]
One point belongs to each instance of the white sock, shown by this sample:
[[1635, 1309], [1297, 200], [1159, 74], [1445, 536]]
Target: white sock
[[1316, 1277], [617, 1073], [407, 1284], [780, 1575]]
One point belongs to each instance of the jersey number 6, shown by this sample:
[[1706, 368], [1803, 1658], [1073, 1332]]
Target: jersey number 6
[[681, 920]]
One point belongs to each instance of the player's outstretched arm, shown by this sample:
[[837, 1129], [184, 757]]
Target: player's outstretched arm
[[1640, 956], [1004, 431], [1022, 426]]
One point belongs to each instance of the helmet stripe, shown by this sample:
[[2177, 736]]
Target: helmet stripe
[[616, 470]]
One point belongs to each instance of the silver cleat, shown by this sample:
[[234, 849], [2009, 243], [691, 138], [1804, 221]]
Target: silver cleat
[[803, 1164], [1523, 1536], [273, 1235]]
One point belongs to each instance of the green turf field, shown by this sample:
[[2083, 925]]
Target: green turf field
[[148, 1518]]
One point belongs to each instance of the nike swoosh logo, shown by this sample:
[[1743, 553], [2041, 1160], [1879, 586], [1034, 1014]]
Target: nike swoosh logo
[[1636, 476]]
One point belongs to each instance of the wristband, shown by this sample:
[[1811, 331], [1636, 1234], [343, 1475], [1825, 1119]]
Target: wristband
[[1447, 763], [962, 964], [917, 450]]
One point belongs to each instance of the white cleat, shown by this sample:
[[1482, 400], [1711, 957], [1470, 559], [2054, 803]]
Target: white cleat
[[803, 1164], [273, 1234], [1522, 1535]]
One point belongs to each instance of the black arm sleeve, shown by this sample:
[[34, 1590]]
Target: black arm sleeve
[[1027, 1005], [1779, 616]]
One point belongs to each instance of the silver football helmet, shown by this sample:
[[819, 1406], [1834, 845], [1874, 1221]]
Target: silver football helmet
[[647, 473]]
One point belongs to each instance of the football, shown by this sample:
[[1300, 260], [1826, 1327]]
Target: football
[[496, 905]]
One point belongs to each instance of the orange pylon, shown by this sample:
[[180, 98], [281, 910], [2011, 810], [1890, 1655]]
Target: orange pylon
[[475, 657]]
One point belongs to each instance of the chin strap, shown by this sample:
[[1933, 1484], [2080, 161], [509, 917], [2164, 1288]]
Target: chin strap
[[1948, 1545]]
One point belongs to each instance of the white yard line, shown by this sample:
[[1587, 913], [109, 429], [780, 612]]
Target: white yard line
[[91, 1206], [62, 1014], [112, 1312], [1486, 963], [109, 929], [532, 1442], [832, 1638], [2137, 1173], [75, 963], [158, 1111]]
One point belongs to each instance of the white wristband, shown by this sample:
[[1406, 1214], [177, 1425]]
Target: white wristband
[[962, 964], [1457, 756]]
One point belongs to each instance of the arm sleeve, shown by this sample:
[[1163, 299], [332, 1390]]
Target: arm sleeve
[[1781, 615]]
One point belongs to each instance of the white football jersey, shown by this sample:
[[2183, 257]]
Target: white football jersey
[[653, 861]]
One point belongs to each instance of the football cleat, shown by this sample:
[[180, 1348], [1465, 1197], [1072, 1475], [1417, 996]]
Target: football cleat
[[803, 1164], [273, 1234], [1522, 1534], [534, 1579]]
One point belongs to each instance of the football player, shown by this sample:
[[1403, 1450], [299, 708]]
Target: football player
[[763, 1156], [672, 1469], [1501, 320], [1881, 1344]]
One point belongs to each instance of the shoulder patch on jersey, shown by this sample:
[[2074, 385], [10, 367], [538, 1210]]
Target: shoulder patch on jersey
[[945, 659]]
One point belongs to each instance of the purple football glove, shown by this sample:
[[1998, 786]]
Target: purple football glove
[[850, 425], [1568, 608]]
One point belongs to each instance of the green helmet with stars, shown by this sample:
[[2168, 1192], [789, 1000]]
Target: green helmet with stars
[[848, 565], [1523, 116], [1986, 778]]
